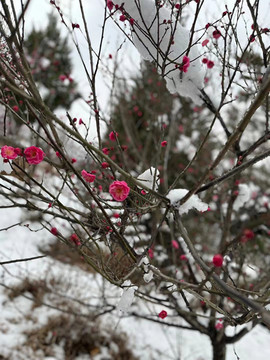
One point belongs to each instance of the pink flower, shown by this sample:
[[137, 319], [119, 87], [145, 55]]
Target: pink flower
[[88, 177], [216, 34], [110, 5], [151, 253], [205, 42], [204, 60], [122, 18], [217, 260], [54, 231], [183, 257], [15, 108], [119, 190], [175, 244], [210, 64], [164, 143], [74, 238], [163, 314], [248, 235], [105, 151], [185, 64], [18, 151], [143, 192], [62, 77], [8, 152], [219, 325], [104, 165], [34, 155], [113, 135], [73, 160], [131, 21]]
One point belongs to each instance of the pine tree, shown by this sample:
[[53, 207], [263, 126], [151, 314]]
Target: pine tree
[[50, 59]]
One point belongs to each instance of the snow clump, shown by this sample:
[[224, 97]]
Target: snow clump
[[194, 202]]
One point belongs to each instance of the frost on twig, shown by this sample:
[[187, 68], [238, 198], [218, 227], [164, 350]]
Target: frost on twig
[[194, 202], [159, 37]]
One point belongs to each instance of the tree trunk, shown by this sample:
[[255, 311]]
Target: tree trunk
[[219, 348]]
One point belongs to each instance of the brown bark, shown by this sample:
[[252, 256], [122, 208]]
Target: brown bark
[[219, 347]]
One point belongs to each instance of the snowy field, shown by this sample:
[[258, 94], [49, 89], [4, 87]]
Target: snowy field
[[147, 339]]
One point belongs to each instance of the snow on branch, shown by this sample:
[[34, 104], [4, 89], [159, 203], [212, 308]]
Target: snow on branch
[[194, 202], [150, 178], [159, 37], [127, 297]]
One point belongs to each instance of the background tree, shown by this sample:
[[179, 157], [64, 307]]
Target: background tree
[[50, 61]]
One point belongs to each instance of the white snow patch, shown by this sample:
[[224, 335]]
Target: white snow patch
[[184, 144], [243, 196], [148, 276], [150, 178], [194, 202], [5, 167], [152, 36], [127, 297]]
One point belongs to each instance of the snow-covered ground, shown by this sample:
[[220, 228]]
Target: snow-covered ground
[[148, 340]]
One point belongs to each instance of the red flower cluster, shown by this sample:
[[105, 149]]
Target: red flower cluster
[[75, 26], [10, 153], [104, 165], [88, 177], [209, 63], [33, 154], [74, 238], [185, 64], [122, 18], [110, 5]]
